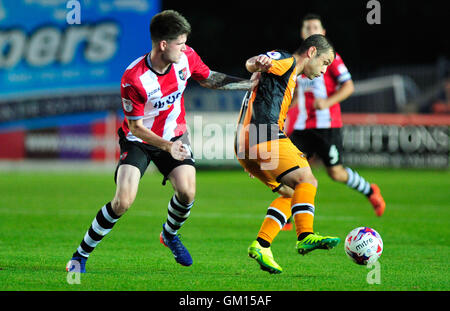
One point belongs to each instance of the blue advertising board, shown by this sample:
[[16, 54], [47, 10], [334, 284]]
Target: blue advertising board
[[51, 47]]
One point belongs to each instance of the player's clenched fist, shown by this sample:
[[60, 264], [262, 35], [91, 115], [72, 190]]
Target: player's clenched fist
[[260, 63], [263, 62], [178, 151]]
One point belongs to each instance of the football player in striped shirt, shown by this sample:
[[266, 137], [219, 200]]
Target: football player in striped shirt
[[154, 129], [315, 117], [264, 150]]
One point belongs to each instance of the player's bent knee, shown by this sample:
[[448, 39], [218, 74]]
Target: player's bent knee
[[306, 179], [312, 180], [183, 182], [298, 177], [186, 194], [121, 204]]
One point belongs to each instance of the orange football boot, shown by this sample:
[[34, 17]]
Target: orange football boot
[[377, 200], [287, 226]]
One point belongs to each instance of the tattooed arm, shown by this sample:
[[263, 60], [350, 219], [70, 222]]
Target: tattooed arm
[[221, 81]]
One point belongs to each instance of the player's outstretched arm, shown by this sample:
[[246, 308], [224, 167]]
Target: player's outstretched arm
[[221, 81]]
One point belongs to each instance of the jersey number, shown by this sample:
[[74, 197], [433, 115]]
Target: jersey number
[[333, 154]]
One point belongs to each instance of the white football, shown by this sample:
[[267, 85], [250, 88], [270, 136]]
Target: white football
[[363, 245]]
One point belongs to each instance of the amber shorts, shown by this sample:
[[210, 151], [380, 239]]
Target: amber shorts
[[270, 161]]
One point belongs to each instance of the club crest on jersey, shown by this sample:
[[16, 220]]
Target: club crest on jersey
[[127, 105], [182, 73]]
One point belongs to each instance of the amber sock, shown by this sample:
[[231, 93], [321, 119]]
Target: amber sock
[[303, 207], [278, 213]]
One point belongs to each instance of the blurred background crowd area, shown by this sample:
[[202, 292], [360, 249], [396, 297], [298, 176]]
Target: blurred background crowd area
[[60, 76]]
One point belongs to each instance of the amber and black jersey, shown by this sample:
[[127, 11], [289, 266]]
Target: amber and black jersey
[[265, 108]]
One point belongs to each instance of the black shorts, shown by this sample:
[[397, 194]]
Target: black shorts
[[326, 143], [140, 155]]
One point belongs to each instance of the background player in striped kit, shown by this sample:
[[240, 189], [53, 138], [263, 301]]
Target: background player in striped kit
[[154, 129], [315, 118]]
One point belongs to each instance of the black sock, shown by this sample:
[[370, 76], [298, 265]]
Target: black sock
[[101, 226], [263, 242], [177, 214], [358, 183], [303, 235]]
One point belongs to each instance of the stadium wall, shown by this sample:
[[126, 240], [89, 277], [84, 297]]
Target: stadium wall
[[372, 140]]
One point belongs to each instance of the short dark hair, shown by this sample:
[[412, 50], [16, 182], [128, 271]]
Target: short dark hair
[[168, 25], [311, 16], [322, 44]]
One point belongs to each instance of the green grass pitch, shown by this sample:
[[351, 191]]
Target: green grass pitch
[[43, 218]]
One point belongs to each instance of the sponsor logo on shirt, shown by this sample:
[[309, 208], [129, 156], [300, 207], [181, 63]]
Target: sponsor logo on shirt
[[166, 102], [306, 84], [153, 91]]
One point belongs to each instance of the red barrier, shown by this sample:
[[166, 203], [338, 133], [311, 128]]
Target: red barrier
[[13, 145]]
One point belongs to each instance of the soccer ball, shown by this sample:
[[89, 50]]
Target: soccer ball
[[363, 245]]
